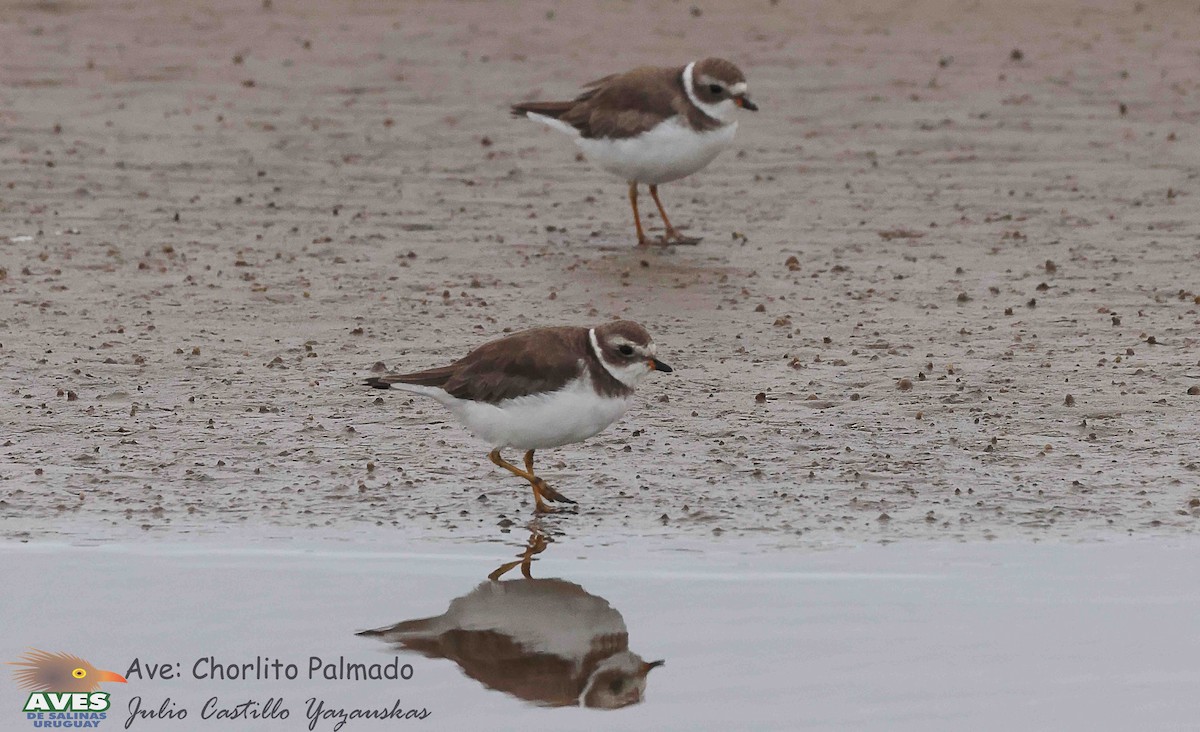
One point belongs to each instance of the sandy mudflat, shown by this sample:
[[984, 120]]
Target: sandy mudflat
[[215, 217]]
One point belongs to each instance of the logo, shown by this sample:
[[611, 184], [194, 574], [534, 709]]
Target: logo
[[64, 690]]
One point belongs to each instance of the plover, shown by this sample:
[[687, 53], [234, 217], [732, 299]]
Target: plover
[[652, 125], [539, 388], [545, 641]]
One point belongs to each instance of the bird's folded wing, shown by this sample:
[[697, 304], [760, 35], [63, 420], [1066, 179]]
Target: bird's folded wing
[[626, 105], [530, 362]]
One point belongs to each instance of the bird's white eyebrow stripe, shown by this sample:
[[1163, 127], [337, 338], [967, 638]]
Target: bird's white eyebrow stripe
[[738, 88], [648, 349]]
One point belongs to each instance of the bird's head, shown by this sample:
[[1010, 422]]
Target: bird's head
[[43, 671], [626, 351], [618, 681], [719, 88]]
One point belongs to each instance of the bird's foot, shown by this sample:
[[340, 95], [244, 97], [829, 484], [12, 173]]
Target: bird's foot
[[671, 238], [549, 493], [542, 508]]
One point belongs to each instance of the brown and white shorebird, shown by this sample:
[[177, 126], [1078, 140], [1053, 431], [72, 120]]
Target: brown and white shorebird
[[545, 641], [61, 672], [652, 125], [539, 388]]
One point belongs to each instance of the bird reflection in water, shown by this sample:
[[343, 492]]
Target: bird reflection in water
[[545, 641]]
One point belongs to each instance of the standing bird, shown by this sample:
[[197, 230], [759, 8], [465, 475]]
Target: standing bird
[[60, 672], [652, 125], [539, 388]]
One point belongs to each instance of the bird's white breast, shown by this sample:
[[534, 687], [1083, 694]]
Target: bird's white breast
[[570, 414], [670, 151]]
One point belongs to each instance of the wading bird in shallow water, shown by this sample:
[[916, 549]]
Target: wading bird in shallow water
[[540, 388], [652, 125], [545, 641], [61, 672]]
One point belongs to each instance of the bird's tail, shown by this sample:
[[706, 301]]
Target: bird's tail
[[553, 110], [430, 377], [406, 630]]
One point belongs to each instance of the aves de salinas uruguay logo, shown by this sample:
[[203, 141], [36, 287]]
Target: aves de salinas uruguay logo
[[64, 689]]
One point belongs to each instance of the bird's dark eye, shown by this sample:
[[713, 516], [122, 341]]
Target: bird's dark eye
[[626, 350], [79, 673], [615, 686], [715, 88]]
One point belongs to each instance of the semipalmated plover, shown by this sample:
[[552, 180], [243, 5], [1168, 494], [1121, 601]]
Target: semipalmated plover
[[652, 125], [540, 388], [546, 641]]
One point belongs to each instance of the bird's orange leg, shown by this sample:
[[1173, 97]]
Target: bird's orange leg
[[536, 545], [672, 233], [637, 220], [542, 486], [502, 570], [539, 505]]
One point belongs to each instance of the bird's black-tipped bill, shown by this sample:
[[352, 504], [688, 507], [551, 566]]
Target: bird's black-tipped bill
[[660, 366], [745, 103]]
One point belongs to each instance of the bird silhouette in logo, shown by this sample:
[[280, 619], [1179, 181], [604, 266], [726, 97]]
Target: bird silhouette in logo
[[60, 672], [545, 641]]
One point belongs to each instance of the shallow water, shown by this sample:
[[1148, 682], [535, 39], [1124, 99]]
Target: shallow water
[[911, 636]]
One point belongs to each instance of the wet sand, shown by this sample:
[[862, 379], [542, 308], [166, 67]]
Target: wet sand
[[216, 216]]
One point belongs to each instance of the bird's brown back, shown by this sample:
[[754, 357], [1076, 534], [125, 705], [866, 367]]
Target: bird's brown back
[[529, 362], [626, 105]]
